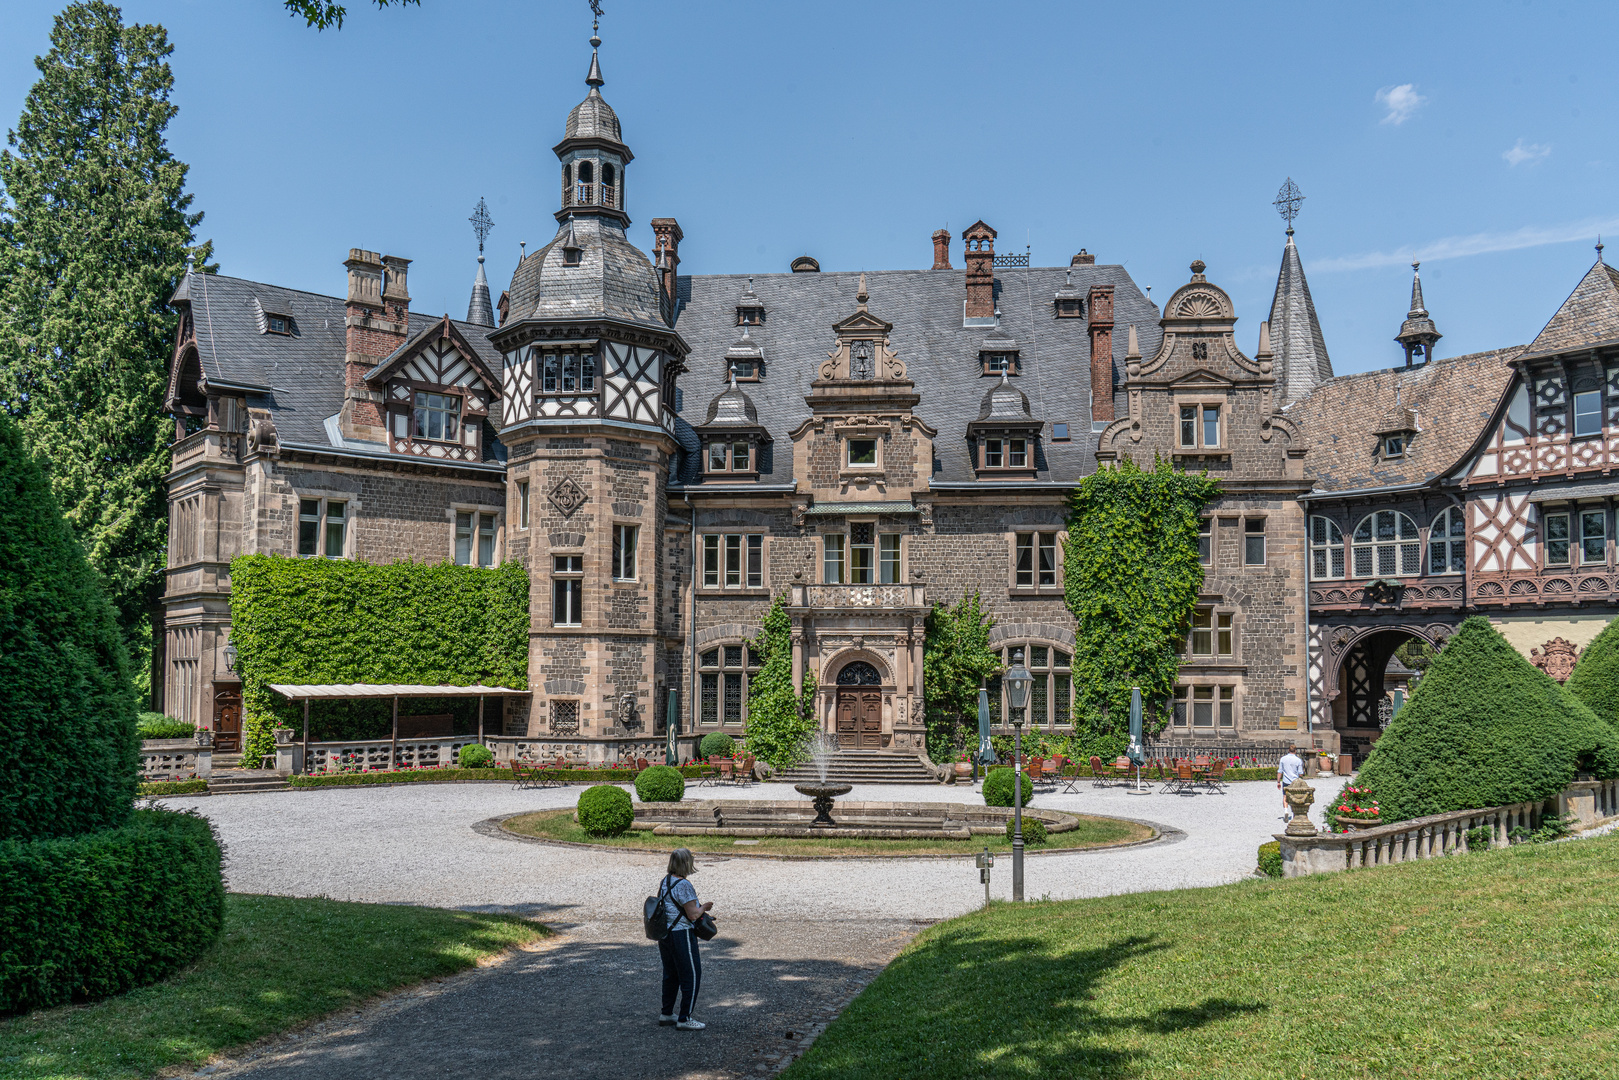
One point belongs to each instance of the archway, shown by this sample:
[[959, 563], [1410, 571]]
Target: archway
[[858, 705], [1363, 676]]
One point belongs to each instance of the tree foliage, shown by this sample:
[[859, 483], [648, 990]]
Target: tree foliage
[[956, 662], [326, 13], [1595, 679], [779, 717], [337, 621], [1131, 575], [69, 758], [94, 236], [1483, 728]]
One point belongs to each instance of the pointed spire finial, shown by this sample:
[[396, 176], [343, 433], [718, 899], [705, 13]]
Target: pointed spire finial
[[482, 223], [1599, 247], [860, 296], [1133, 350], [595, 77], [733, 376], [1418, 311], [191, 261], [1263, 352]]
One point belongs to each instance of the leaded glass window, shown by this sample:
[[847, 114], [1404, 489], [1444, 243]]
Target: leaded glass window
[[1387, 544]]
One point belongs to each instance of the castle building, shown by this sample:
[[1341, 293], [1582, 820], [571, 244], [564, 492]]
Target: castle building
[[668, 453]]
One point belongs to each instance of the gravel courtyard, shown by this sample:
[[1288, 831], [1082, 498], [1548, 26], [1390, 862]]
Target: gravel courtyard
[[797, 939]]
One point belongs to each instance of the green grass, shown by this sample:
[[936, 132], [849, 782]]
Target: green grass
[[280, 962], [559, 825], [1488, 966]]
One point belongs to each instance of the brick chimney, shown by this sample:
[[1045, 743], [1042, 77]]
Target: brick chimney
[[979, 254], [666, 252], [941, 250], [1084, 258], [376, 322], [1100, 305]]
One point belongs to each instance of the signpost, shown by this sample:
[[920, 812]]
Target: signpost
[[985, 861]]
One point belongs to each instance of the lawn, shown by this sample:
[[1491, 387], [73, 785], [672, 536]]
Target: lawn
[[1091, 832], [1485, 966], [281, 962]]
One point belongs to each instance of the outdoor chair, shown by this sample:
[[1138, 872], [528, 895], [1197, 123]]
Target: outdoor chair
[[1098, 775], [1180, 780], [641, 764], [744, 769], [727, 770], [522, 776], [1053, 770], [1033, 768], [1214, 779], [711, 771]]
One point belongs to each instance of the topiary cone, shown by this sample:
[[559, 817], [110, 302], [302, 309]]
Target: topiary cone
[[1483, 728], [1595, 679]]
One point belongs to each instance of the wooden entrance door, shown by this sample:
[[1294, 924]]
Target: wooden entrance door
[[227, 722], [860, 719]]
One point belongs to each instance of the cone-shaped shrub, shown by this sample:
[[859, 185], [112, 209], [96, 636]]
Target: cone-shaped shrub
[[69, 758], [1596, 677], [1484, 728]]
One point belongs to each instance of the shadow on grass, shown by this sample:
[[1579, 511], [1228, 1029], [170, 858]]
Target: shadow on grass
[[968, 1002]]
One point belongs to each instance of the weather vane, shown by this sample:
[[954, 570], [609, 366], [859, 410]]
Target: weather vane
[[1287, 203], [481, 223], [596, 12]]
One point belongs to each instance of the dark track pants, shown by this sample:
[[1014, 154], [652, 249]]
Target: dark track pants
[[682, 971]]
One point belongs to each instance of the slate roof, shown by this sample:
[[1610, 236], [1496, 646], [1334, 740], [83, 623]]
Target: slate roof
[[299, 377], [940, 356], [1590, 315], [1300, 351], [614, 278], [1451, 401]]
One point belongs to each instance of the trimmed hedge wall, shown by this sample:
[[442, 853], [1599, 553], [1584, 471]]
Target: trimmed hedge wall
[[1484, 727], [1595, 680], [69, 757], [92, 915], [158, 788], [340, 621]]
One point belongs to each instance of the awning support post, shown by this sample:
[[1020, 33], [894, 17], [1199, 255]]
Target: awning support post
[[393, 745], [480, 719], [306, 734]]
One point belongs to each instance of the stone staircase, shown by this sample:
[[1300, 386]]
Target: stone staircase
[[244, 781], [864, 767]]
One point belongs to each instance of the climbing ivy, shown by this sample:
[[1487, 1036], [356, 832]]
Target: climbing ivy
[[338, 621], [1131, 577], [779, 717], [956, 661]]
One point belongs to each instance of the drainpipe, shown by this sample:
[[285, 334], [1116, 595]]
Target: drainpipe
[[691, 625]]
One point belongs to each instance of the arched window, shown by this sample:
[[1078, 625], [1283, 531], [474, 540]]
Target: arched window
[[609, 181], [1387, 544], [1326, 549], [723, 691], [587, 177], [567, 182], [859, 673], [1447, 543], [1051, 695]]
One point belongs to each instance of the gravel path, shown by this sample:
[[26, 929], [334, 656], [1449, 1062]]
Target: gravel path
[[415, 844]]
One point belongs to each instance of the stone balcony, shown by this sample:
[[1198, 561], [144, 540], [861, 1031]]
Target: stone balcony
[[851, 598]]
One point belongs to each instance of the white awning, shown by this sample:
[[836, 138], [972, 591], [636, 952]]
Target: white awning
[[342, 691]]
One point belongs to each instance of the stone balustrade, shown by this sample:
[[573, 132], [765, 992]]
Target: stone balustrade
[[859, 596], [366, 755], [544, 749], [1587, 801], [176, 759]]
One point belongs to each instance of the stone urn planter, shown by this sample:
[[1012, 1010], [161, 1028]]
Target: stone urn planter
[[283, 736], [964, 770], [1323, 766], [1355, 824]]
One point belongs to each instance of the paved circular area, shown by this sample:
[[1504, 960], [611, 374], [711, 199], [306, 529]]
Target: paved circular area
[[415, 843]]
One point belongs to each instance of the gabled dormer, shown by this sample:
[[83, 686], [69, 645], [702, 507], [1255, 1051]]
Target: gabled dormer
[[750, 310], [437, 394], [744, 360], [998, 355], [1004, 440]]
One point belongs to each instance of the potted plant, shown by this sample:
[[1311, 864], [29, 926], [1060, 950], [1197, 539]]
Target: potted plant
[[964, 766], [1354, 808], [1323, 764]]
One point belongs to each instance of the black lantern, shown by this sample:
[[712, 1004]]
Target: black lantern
[[1017, 682], [230, 657]]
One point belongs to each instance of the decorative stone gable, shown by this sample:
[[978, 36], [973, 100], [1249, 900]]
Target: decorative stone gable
[[436, 394]]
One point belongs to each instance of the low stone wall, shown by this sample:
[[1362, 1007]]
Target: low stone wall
[[175, 759], [1588, 801], [857, 819], [581, 751], [365, 755]]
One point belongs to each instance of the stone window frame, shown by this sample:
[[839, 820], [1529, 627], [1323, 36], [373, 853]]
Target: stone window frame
[[571, 575], [730, 442], [846, 533], [1219, 400], [616, 540], [556, 711], [998, 706], [876, 433], [748, 665], [745, 533], [1206, 543], [1060, 537], [477, 510], [524, 490], [1222, 691], [1223, 618], [351, 506], [1250, 534]]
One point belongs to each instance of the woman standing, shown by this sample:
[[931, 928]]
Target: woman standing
[[682, 968]]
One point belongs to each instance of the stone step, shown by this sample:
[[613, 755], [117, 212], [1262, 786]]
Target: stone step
[[242, 781]]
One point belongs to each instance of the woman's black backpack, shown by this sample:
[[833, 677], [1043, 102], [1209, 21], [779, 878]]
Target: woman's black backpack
[[655, 917]]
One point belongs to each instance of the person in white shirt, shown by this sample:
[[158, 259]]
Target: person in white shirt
[[1289, 769]]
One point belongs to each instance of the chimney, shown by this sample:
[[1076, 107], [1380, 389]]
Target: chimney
[[376, 322], [1084, 258], [666, 247], [1100, 305], [941, 250], [978, 252]]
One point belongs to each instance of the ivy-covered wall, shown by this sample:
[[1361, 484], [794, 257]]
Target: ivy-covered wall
[[337, 621]]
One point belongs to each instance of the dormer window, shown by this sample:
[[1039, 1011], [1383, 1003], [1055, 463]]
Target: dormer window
[[750, 316], [571, 256], [278, 324], [745, 370], [437, 416], [1199, 426], [731, 456], [568, 373], [996, 362], [1394, 446], [1070, 308], [1005, 454]]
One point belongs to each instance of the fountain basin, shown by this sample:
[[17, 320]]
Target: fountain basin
[[823, 794], [856, 820]]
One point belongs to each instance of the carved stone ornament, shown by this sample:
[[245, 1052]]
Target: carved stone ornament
[[260, 436], [567, 496], [1556, 658], [1385, 590], [1339, 641], [1299, 796], [627, 718]]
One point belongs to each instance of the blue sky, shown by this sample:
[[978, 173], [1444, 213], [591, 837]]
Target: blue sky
[[1480, 136]]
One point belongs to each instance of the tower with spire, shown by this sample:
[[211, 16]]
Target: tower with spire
[[480, 312], [1301, 361], [1418, 333]]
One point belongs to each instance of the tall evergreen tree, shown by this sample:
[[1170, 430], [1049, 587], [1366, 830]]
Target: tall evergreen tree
[[1595, 679], [94, 236]]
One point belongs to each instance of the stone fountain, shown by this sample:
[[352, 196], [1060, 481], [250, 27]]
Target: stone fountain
[[821, 747]]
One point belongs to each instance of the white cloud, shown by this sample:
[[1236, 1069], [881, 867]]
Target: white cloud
[[1521, 153], [1401, 101], [1458, 247]]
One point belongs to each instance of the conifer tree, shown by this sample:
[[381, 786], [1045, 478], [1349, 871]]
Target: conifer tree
[[1595, 679], [94, 235], [779, 718]]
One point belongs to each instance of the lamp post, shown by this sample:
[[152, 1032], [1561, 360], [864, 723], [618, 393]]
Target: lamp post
[[1017, 697]]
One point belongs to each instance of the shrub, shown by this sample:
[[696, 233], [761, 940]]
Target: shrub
[[1270, 859], [1479, 839], [87, 916], [717, 742], [155, 788], [476, 756], [779, 719], [1484, 727], [69, 759], [660, 783], [605, 810], [1034, 831], [998, 788], [1595, 680], [151, 725]]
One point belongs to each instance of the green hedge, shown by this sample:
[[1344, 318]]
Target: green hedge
[[158, 788], [1270, 859], [153, 725], [1595, 680], [498, 775], [97, 914], [1484, 727], [340, 621], [660, 783], [69, 758], [475, 756], [605, 810]]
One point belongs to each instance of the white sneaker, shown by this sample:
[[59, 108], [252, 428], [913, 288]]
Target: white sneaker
[[666, 1019], [691, 1025]]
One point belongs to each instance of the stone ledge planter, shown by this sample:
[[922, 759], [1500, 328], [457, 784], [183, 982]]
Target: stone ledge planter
[[1359, 823]]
